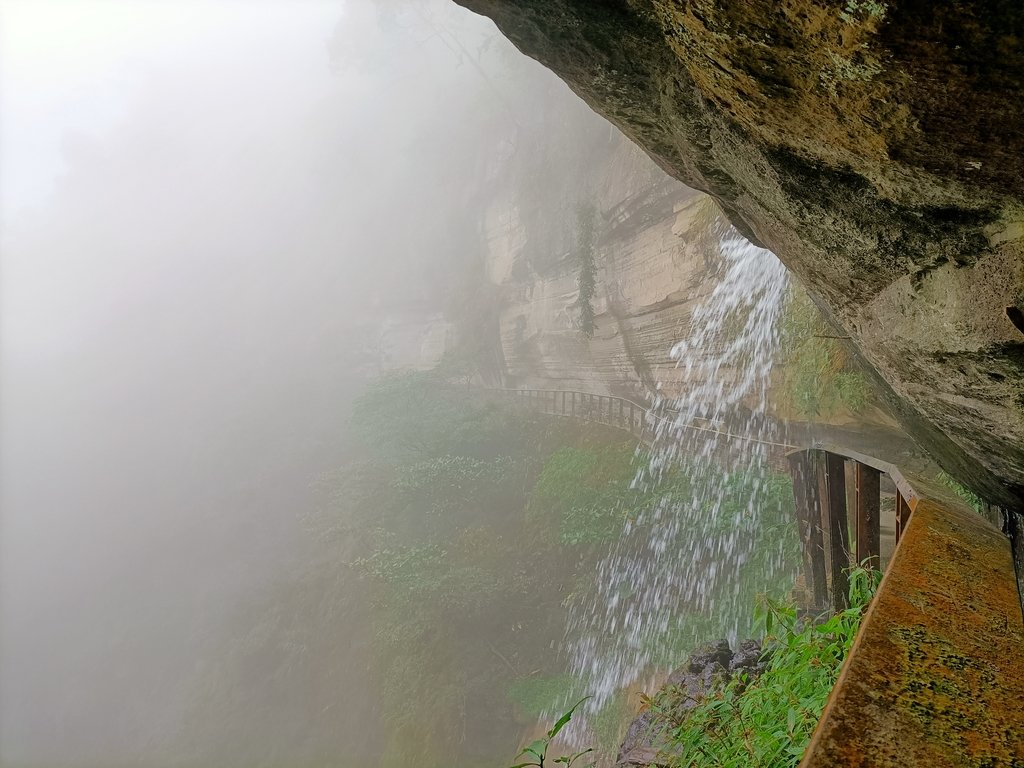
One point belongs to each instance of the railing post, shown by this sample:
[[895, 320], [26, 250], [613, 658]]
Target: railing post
[[867, 498], [632, 417], [838, 524], [808, 515]]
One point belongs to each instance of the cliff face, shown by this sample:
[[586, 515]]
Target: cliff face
[[877, 148], [657, 258], [651, 266]]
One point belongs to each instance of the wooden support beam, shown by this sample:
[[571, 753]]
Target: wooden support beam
[[868, 510], [838, 525], [808, 515]]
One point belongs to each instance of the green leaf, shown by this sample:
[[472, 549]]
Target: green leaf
[[565, 719], [538, 749]]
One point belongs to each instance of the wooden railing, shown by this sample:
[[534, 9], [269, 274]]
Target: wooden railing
[[840, 517], [610, 410], [624, 413], [936, 674]]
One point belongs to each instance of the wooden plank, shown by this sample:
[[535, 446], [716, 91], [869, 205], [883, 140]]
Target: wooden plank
[[839, 528], [868, 512], [808, 514]]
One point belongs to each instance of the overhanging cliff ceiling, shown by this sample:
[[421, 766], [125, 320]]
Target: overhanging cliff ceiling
[[877, 147]]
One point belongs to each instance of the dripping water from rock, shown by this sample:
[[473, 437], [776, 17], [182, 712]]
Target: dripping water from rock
[[715, 530]]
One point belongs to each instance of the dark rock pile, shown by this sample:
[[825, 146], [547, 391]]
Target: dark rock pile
[[709, 667]]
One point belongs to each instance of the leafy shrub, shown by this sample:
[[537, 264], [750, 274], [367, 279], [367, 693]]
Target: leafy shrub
[[767, 722], [587, 491], [974, 501], [536, 753], [453, 483], [409, 417]]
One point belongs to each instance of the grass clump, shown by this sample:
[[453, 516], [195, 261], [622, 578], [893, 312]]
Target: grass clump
[[768, 721]]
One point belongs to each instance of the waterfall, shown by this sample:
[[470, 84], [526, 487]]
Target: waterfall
[[684, 568]]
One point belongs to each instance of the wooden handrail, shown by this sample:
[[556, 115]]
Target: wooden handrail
[[935, 677], [936, 673], [648, 414]]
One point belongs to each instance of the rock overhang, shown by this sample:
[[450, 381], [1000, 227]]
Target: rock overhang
[[876, 147]]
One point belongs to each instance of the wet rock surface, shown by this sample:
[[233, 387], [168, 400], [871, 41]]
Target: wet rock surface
[[877, 148], [707, 668]]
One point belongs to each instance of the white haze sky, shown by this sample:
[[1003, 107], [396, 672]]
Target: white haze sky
[[207, 209], [197, 209], [71, 66]]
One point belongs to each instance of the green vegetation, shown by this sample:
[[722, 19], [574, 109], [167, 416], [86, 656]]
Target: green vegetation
[[586, 278], [820, 378], [535, 696], [610, 722], [536, 753], [767, 722], [461, 553], [974, 501], [478, 523], [586, 490]]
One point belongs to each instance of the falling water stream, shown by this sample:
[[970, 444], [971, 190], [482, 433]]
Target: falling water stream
[[684, 568]]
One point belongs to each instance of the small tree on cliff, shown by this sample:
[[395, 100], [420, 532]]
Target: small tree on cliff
[[587, 275]]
